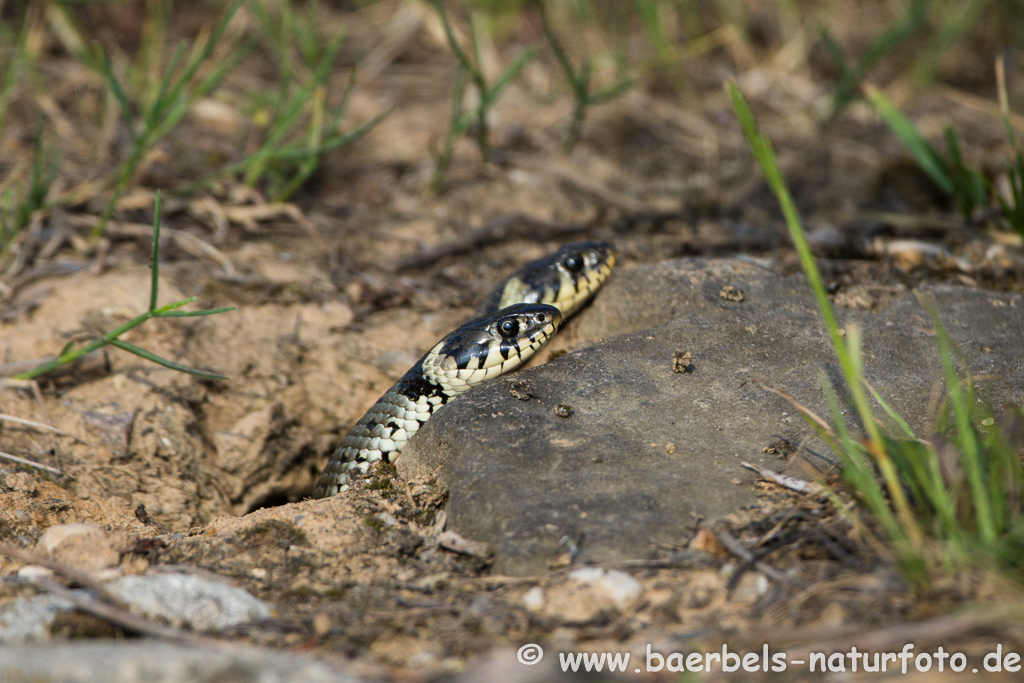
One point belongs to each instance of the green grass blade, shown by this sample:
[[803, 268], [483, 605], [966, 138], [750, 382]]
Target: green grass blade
[[176, 109], [765, 157], [476, 71], [122, 99], [856, 472], [890, 412], [69, 354], [453, 43], [877, 442], [926, 156], [195, 314], [168, 105], [346, 96], [970, 191], [848, 355], [848, 76], [308, 163], [201, 54], [510, 73], [884, 43], [957, 19], [6, 209], [154, 255], [163, 310], [13, 65], [611, 92], [40, 180], [157, 108], [972, 461], [152, 357], [664, 50]]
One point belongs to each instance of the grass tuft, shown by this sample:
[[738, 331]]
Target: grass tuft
[[579, 80], [15, 216], [1012, 205], [968, 187], [112, 338], [178, 86], [470, 71], [850, 75], [945, 503], [12, 57], [300, 128]]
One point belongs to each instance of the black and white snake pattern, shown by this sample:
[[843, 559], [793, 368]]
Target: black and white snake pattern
[[516, 320]]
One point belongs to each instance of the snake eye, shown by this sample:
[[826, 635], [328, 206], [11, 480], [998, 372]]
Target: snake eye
[[573, 263], [509, 328]]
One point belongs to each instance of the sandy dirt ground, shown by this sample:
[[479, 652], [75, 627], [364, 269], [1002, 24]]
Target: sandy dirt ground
[[341, 289]]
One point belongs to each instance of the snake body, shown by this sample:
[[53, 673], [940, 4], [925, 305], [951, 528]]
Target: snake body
[[516, 320]]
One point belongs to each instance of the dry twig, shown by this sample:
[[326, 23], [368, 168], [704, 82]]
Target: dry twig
[[730, 543], [121, 617], [4, 417], [30, 463], [786, 481]]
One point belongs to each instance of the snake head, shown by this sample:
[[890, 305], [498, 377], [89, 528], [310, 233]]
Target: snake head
[[565, 279], [489, 346]]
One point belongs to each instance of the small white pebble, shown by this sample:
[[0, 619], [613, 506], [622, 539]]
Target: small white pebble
[[387, 519], [534, 599], [619, 586], [33, 571], [624, 589], [587, 575]]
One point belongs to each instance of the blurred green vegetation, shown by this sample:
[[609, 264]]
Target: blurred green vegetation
[[944, 504], [156, 59]]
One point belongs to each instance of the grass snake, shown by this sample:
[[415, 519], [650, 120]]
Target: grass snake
[[515, 321]]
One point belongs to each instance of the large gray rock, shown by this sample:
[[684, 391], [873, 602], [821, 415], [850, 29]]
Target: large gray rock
[[646, 451], [649, 296]]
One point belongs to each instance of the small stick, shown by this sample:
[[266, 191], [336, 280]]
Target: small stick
[[4, 417], [122, 618], [34, 386], [786, 481], [803, 410], [30, 463], [730, 543]]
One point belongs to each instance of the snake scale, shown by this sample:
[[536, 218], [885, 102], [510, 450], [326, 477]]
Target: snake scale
[[515, 321]]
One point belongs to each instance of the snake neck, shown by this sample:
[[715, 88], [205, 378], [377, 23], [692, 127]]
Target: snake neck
[[415, 383], [382, 433]]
